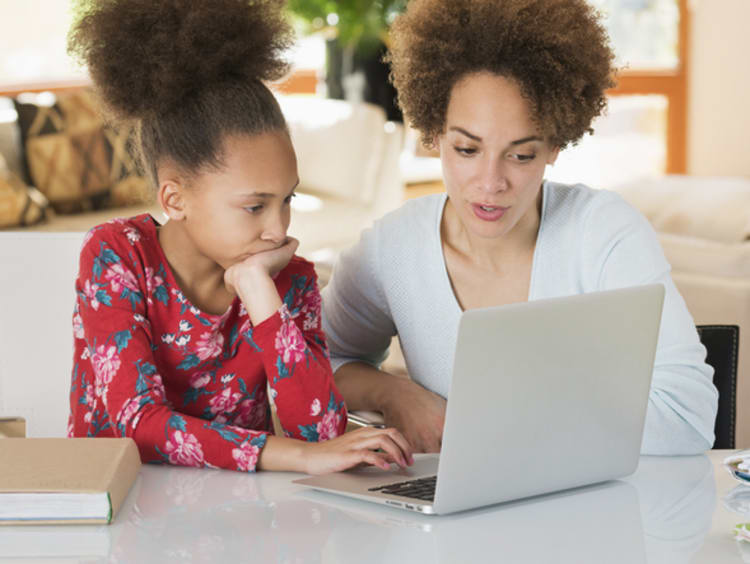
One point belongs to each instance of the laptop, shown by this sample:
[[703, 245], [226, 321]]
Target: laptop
[[545, 395]]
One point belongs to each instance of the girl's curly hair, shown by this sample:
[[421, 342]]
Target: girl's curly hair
[[556, 50], [189, 72]]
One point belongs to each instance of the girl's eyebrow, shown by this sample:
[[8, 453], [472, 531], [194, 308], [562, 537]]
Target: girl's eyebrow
[[477, 138], [266, 194]]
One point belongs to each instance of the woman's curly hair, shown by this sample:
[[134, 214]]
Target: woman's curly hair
[[556, 50], [188, 72]]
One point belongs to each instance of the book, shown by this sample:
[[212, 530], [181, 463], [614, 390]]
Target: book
[[62, 481]]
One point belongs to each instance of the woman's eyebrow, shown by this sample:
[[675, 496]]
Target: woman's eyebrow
[[477, 138]]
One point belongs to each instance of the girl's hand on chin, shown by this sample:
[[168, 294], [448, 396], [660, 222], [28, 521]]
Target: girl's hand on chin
[[264, 263]]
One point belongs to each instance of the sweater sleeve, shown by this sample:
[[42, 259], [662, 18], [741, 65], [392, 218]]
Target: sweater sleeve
[[126, 382], [622, 249], [296, 361], [356, 318]]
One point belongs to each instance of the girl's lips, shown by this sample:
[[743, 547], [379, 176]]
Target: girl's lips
[[486, 213]]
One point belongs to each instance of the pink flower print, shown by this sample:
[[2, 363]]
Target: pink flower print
[[183, 448], [200, 379], [90, 395], [246, 456], [289, 343], [78, 326], [224, 402], [152, 282], [85, 353], [87, 417], [89, 290], [329, 425], [182, 340], [209, 345], [284, 313], [70, 428], [106, 362], [119, 277], [310, 321], [128, 411], [315, 407], [251, 413], [132, 234], [157, 389], [167, 338]]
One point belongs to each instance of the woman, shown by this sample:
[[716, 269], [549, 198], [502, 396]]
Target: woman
[[180, 328], [500, 88]]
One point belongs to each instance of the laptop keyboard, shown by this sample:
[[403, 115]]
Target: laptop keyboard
[[423, 488]]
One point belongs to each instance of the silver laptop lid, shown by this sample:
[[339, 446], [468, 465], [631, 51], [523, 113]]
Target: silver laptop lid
[[547, 395]]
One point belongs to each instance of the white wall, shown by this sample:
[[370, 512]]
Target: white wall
[[719, 88]]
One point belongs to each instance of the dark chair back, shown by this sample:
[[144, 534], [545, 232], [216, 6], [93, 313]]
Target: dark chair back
[[722, 343]]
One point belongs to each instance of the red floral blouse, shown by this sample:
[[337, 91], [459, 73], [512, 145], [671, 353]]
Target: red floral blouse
[[190, 387]]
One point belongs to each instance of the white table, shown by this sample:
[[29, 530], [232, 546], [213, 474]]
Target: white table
[[673, 509]]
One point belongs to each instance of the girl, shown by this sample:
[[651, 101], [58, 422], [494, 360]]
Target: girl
[[179, 328]]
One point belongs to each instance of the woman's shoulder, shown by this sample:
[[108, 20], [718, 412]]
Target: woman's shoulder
[[416, 219], [578, 203]]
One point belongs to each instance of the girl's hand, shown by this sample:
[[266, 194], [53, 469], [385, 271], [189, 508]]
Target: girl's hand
[[240, 276], [357, 447]]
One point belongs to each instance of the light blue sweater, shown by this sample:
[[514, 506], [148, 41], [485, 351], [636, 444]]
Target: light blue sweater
[[394, 281]]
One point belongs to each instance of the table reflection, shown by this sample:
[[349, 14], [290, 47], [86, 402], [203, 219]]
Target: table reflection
[[661, 514]]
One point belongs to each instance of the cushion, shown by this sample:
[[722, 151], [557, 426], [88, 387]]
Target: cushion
[[77, 160], [19, 204], [339, 146], [712, 208]]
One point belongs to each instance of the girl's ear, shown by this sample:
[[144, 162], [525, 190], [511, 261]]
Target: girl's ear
[[171, 199]]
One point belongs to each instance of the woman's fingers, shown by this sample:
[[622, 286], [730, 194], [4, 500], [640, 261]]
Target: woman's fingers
[[402, 443]]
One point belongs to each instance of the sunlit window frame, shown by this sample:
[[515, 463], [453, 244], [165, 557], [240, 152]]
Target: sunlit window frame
[[673, 85]]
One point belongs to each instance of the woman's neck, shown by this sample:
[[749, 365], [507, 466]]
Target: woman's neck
[[201, 279]]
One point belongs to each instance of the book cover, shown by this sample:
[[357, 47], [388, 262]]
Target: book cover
[[60, 481]]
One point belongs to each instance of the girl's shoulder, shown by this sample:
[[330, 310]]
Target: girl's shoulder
[[132, 242], [135, 231]]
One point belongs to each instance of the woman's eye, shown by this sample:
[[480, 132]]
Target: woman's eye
[[522, 158], [288, 199], [253, 209], [465, 150]]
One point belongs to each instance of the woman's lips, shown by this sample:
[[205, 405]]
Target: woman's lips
[[488, 213]]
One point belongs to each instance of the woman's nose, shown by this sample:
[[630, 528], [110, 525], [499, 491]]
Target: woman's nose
[[493, 178]]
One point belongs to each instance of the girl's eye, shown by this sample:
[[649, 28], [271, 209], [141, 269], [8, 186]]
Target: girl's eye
[[254, 209], [466, 151], [522, 158], [288, 199]]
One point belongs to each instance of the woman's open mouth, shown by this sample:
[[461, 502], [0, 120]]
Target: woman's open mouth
[[488, 213]]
